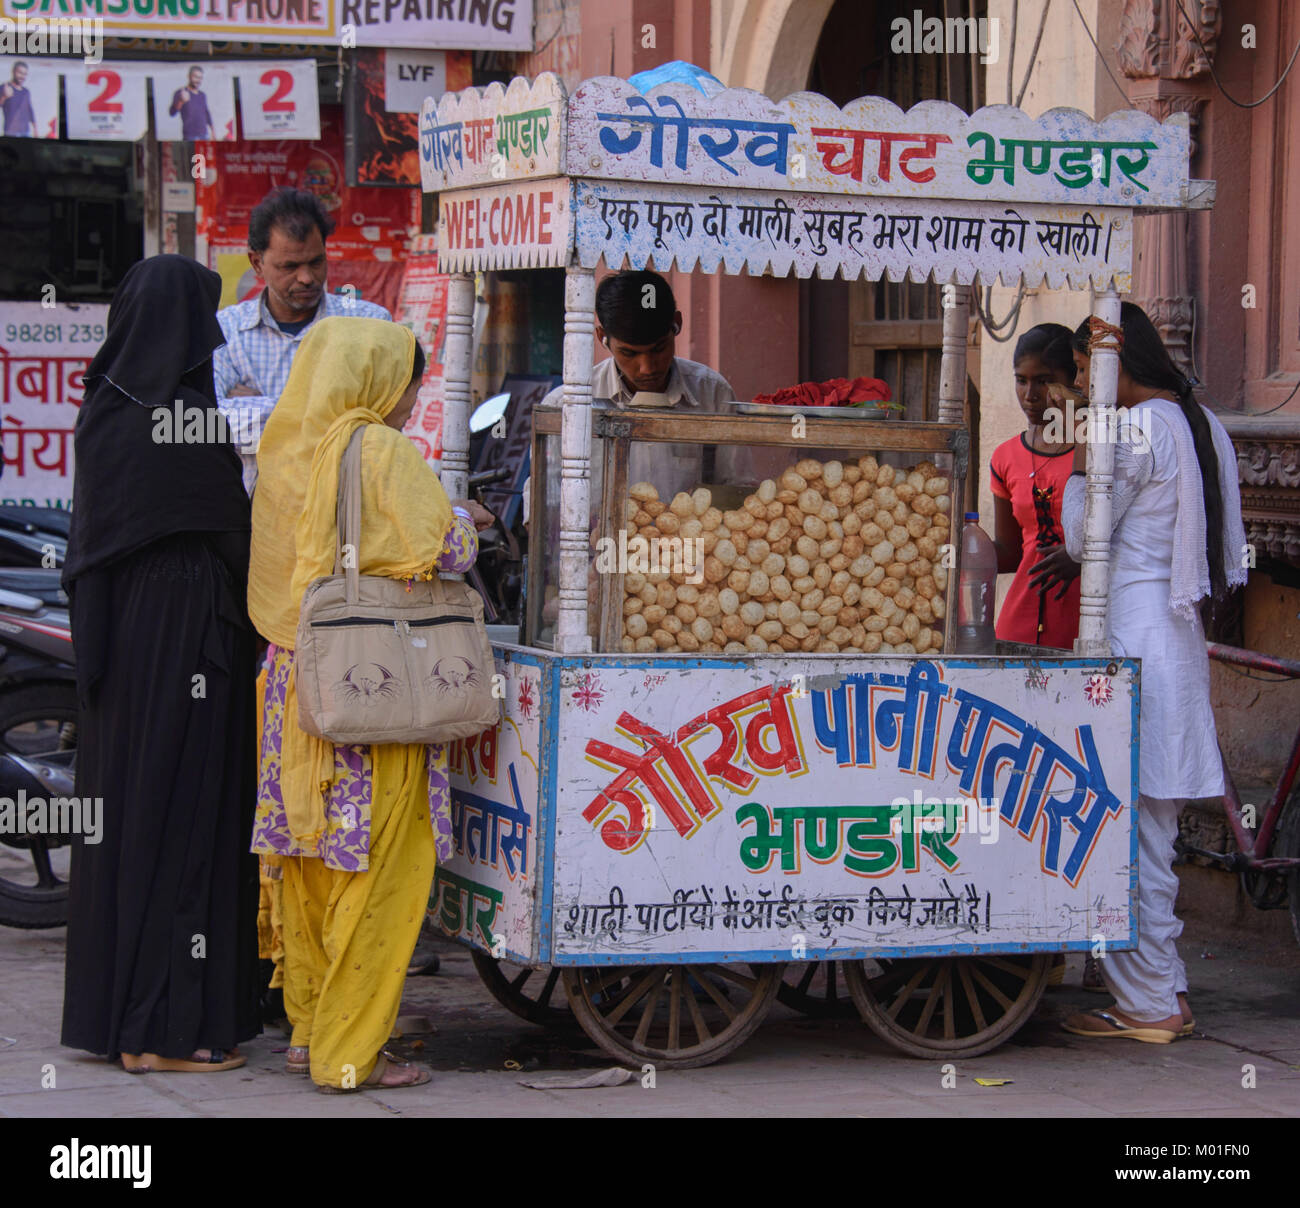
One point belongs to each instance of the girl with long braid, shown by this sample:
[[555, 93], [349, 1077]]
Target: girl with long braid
[[1176, 538]]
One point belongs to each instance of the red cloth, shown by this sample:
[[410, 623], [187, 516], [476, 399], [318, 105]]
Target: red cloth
[[1010, 469], [837, 392]]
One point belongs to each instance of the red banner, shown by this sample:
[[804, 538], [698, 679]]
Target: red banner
[[423, 308]]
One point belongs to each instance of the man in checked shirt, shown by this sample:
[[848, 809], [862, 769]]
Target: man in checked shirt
[[286, 247]]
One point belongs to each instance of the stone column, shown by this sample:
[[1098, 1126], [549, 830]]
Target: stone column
[[1169, 74]]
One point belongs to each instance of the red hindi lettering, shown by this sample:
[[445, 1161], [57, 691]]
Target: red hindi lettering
[[776, 717]]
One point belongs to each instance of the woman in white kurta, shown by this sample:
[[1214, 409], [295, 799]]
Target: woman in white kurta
[[1161, 552]]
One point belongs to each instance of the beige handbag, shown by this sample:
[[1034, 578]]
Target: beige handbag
[[378, 663]]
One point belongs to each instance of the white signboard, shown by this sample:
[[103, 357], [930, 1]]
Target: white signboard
[[674, 134], [29, 98], [523, 225], [279, 99], [412, 75], [477, 137], [44, 354], [450, 24], [885, 238], [487, 893], [107, 101], [867, 806], [193, 101]]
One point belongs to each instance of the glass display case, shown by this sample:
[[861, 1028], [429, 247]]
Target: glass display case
[[733, 534]]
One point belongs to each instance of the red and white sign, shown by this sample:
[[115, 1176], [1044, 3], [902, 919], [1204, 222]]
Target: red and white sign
[[423, 308], [522, 225], [278, 99], [107, 100], [44, 353]]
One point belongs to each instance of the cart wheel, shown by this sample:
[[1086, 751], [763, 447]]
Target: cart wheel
[[672, 1016], [815, 988], [527, 992], [948, 1006]]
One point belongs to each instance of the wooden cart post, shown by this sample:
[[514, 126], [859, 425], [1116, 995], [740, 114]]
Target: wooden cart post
[[952, 365], [571, 635], [1094, 578], [456, 391]]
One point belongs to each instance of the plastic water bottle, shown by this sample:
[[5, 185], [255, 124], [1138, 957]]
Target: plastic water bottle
[[976, 589]]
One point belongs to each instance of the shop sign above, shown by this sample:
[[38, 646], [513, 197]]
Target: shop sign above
[[430, 24]]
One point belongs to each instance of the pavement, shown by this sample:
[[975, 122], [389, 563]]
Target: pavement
[[1243, 1062]]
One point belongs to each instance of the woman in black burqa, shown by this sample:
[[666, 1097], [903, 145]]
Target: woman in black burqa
[[162, 942]]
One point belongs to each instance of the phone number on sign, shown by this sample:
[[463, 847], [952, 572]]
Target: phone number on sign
[[52, 333]]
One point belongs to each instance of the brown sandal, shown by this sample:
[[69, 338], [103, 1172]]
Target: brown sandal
[[1103, 1025], [376, 1081], [152, 1063]]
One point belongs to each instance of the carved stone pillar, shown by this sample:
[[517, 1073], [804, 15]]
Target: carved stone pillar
[[1268, 468], [1169, 74]]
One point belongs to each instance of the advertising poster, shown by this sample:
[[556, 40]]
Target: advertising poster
[[194, 101], [279, 100], [29, 98], [385, 91], [44, 353], [107, 101]]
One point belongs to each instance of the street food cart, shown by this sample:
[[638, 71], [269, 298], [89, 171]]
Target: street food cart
[[739, 755]]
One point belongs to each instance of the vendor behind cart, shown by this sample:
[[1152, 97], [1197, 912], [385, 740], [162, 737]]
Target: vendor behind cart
[[638, 321]]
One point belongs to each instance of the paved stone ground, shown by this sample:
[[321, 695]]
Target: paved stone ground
[[1246, 991]]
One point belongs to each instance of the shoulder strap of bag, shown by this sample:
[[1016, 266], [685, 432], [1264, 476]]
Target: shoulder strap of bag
[[347, 526]]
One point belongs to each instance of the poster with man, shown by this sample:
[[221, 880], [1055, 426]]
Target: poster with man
[[193, 101], [29, 99]]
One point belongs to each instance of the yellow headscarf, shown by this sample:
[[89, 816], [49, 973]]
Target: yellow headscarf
[[348, 372]]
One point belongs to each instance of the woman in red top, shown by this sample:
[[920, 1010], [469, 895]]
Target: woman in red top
[[1029, 473]]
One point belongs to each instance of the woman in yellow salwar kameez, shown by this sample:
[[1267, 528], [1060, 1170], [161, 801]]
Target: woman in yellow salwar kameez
[[355, 827]]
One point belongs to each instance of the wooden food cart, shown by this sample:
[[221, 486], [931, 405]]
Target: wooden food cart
[[675, 812]]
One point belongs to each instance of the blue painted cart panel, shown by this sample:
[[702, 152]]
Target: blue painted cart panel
[[636, 809]]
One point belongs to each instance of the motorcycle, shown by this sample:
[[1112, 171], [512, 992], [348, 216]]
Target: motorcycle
[[498, 574], [32, 536], [38, 739]]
